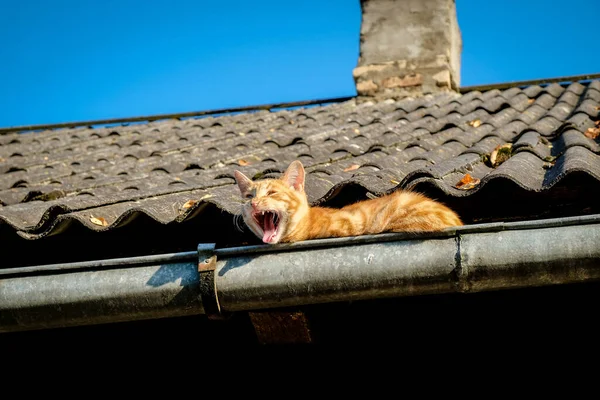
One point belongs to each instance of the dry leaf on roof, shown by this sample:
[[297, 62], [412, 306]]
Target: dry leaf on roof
[[475, 123], [592, 133], [530, 101], [548, 165], [500, 154], [356, 131], [352, 168], [98, 221], [394, 182], [243, 163], [467, 182], [188, 204]]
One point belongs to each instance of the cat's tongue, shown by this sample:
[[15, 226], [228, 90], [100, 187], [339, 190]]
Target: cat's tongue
[[269, 229]]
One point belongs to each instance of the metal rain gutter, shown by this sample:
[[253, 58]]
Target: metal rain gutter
[[211, 281]]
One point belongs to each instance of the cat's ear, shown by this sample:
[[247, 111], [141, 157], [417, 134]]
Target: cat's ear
[[243, 182], [294, 176]]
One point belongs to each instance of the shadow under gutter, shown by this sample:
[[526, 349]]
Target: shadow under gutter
[[467, 259]]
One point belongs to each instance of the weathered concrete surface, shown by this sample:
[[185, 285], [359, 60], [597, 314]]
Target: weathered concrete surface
[[408, 47]]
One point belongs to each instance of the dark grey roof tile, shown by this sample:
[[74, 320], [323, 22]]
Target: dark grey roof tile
[[570, 98], [572, 138], [468, 97], [510, 93], [495, 104], [485, 146], [489, 94], [532, 114], [534, 143], [576, 88], [590, 107], [545, 101], [439, 112], [461, 163], [554, 89], [523, 168], [503, 117], [561, 110], [528, 139], [474, 135], [575, 159], [533, 91], [546, 126], [511, 130], [469, 107], [581, 121]]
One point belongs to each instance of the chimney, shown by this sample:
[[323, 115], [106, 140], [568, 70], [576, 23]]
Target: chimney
[[407, 48]]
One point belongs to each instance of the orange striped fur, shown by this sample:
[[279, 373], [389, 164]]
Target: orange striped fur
[[277, 211]]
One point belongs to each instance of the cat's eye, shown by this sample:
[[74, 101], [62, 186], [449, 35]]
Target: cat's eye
[[271, 192], [249, 196]]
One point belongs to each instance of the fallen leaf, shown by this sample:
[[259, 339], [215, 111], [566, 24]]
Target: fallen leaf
[[188, 204], [548, 165], [592, 133], [530, 101], [352, 167], [475, 123], [356, 131], [500, 154], [241, 134], [272, 130], [395, 182], [98, 221], [467, 182], [243, 163], [291, 122]]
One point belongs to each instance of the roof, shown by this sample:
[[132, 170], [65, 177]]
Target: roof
[[104, 177]]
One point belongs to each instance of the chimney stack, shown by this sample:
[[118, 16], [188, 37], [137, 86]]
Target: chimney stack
[[407, 48]]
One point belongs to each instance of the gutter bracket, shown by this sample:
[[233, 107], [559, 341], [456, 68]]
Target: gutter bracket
[[207, 263]]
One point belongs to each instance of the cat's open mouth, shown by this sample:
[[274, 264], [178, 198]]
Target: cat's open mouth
[[268, 222]]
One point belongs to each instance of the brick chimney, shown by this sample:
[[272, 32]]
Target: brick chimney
[[407, 48]]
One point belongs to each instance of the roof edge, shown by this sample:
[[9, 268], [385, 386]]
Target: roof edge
[[506, 85], [190, 114]]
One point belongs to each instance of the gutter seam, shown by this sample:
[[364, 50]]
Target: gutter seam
[[462, 271]]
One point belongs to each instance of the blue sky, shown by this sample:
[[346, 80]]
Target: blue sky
[[68, 60]]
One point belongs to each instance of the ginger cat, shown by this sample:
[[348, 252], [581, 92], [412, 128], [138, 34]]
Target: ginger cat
[[277, 211]]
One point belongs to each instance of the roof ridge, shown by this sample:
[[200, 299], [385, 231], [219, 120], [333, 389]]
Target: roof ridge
[[156, 117], [505, 85]]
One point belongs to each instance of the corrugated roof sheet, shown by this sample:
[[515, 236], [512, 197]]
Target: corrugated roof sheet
[[104, 177]]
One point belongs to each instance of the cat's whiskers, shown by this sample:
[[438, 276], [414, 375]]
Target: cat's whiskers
[[237, 222]]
